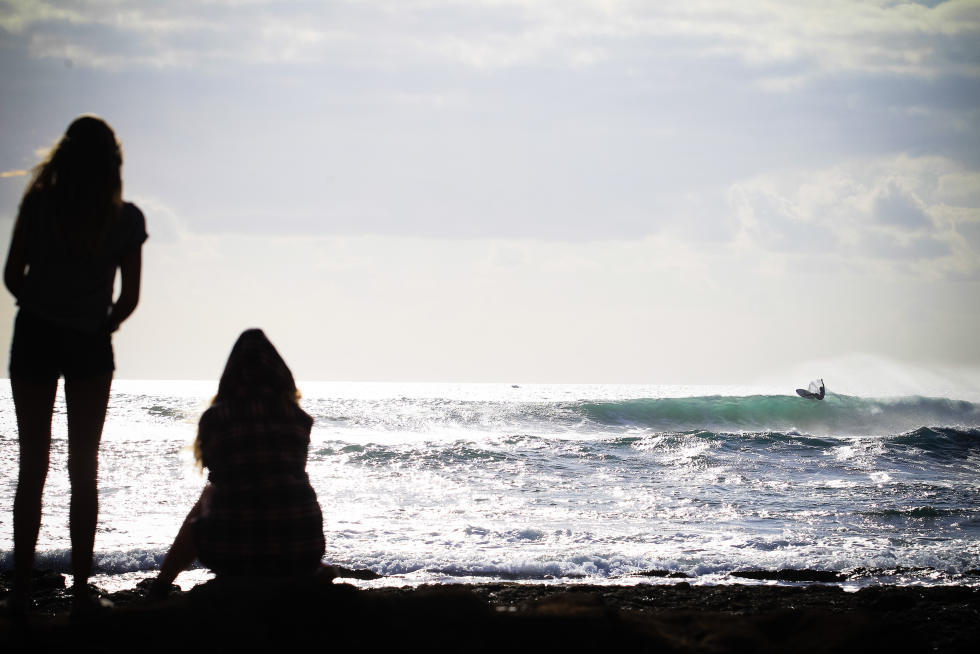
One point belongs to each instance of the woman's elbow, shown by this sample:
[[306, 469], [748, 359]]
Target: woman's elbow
[[131, 299], [125, 306], [12, 281]]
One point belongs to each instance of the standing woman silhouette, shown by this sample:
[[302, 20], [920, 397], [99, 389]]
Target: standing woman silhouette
[[73, 232]]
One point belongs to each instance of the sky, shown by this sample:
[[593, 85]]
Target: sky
[[583, 191]]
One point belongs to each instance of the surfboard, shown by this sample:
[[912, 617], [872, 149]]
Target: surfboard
[[814, 392]]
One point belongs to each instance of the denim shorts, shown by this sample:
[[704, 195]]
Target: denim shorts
[[42, 351]]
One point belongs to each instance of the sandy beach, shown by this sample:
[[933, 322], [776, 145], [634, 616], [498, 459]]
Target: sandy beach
[[494, 617]]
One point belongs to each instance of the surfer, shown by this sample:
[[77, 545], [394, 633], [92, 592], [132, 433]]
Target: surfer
[[815, 391]]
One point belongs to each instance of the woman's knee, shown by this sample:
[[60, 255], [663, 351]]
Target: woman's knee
[[83, 468]]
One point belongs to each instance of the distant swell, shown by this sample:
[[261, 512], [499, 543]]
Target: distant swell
[[838, 414], [941, 441]]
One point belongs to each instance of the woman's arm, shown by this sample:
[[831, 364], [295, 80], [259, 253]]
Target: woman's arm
[[15, 270], [130, 270]]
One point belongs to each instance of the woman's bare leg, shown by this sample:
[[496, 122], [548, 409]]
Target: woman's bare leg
[[34, 404], [182, 553], [87, 401]]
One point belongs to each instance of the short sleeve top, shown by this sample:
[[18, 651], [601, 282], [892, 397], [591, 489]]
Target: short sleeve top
[[65, 285]]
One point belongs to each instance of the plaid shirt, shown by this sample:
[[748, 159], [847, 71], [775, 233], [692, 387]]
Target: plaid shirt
[[264, 518]]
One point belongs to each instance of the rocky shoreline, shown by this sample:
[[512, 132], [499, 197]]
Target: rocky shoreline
[[509, 617]]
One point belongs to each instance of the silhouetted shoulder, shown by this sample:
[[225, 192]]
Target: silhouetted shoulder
[[30, 204], [132, 227], [304, 418], [216, 413]]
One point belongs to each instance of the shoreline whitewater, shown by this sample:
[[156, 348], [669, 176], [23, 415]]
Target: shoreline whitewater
[[510, 616]]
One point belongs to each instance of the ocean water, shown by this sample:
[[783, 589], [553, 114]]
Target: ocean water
[[443, 483]]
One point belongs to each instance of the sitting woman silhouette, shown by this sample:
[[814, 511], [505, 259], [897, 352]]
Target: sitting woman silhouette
[[258, 515]]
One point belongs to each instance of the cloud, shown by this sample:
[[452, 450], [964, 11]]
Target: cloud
[[889, 245], [501, 118], [875, 36], [895, 206], [14, 173], [971, 233], [904, 210]]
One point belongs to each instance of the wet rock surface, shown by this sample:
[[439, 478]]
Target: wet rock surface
[[509, 617]]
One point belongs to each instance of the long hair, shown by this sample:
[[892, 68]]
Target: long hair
[[81, 181], [254, 374]]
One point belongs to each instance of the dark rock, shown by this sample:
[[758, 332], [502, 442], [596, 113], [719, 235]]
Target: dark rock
[[887, 572], [256, 615], [348, 573], [44, 580], [823, 576], [888, 598], [41, 580], [663, 573]]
